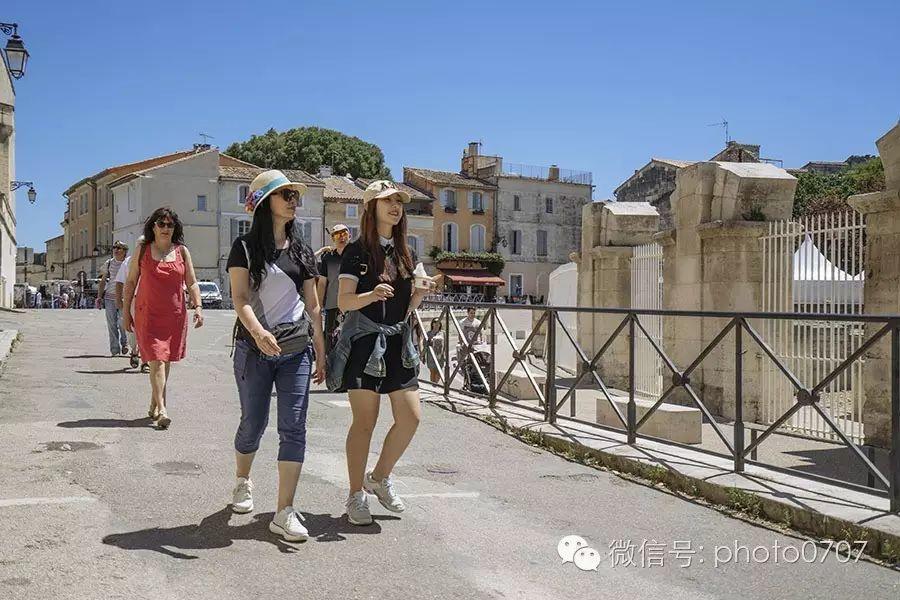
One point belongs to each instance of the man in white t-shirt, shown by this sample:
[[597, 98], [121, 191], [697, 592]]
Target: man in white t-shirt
[[106, 299], [121, 278]]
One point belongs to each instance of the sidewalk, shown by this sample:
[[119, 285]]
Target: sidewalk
[[824, 510]]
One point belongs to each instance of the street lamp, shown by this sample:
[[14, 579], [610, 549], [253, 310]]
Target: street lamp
[[32, 195], [16, 54]]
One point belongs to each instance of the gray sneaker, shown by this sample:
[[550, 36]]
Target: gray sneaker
[[358, 509], [384, 491]]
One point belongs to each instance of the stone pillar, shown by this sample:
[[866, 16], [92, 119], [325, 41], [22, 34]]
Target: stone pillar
[[713, 262], [614, 229], [881, 293]]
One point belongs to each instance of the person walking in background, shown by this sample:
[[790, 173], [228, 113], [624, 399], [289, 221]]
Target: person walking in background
[[273, 287], [436, 341], [159, 274], [106, 299], [330, 268], [121, 278], [375, 353]]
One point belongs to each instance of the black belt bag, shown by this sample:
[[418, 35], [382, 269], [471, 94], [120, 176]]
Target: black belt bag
[[291, 337]]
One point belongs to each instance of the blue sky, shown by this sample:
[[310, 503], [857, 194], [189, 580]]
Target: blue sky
[[596, 86]]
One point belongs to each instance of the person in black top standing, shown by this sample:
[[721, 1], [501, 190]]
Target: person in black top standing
[[377, 280], [330, 267]]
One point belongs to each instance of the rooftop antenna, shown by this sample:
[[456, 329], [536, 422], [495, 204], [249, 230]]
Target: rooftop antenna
[[724, 124], [206, 137]]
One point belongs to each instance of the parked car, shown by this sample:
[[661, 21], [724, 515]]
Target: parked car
[[210, 294]]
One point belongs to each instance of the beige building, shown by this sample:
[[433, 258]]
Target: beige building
[[8, 240], [343, 202], [90, 219], [31, 266], [56, 257]]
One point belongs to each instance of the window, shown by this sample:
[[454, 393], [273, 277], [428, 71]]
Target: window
[[239, 227], [307, 232], [448, 199], [131, 197], [201, 203], [515, 285], [541, 242], [243, 192], [516, 242], [84, 207], [517, 203], [476, 238], [415, 243], [476, 202], [352, 211], [354, 233], [549, 204], [450, 236]]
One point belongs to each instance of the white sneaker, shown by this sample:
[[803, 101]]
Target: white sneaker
[[358, 509], [242, 496], [287, 524], [384, 491]]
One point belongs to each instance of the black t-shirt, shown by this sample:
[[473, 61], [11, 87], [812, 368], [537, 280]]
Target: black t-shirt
[[330, 267], [355, 265], [278, 303]]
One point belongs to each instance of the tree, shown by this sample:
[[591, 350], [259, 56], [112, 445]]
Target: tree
[[827, 192], [308, 148]]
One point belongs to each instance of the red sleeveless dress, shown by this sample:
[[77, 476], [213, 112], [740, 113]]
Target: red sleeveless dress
[[160, 316]]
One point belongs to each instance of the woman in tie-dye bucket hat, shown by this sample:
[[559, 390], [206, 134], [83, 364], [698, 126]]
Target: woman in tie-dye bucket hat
[[273, 287]]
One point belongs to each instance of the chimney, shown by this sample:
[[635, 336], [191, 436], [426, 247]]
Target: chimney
[[325, 171], [473, 148], [554, 173], [202, 147]]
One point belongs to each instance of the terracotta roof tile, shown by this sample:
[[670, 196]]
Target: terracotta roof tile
[[448, 178], [248, 173], [341, 189]]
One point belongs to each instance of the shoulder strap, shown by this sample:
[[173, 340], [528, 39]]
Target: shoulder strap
[[246, 253]]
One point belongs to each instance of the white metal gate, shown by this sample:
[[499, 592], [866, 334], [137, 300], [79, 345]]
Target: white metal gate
[[646, 292], [814, 265]]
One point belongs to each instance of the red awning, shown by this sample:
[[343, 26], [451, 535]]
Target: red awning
[[472, 277]]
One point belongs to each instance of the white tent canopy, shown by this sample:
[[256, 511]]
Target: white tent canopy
[[819, 281], [563, 286]]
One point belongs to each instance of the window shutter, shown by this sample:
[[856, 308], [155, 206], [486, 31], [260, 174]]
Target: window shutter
[[234, 230], [307, 232]]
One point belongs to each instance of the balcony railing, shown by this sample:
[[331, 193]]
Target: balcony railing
[[539, 172]]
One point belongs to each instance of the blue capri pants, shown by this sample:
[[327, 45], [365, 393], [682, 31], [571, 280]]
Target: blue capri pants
[[255, 374]]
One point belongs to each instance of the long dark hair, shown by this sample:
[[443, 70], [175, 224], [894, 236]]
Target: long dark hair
[[369, 238], [261, 244], [159, 213]]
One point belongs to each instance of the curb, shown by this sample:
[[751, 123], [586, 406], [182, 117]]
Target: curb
[[8, 340], [883, 547]]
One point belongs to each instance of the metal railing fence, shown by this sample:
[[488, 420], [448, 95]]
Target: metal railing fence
[[548, 326]]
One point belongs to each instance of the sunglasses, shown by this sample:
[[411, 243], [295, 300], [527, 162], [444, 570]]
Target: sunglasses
[[290, 195], [340, 234], [162, 224]]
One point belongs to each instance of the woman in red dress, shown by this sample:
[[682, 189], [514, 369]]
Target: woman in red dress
[[164, 268]]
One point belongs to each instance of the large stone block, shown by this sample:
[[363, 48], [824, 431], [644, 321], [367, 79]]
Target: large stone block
[[518, 386], [742, 189], [682, 424], [889, 149], [627, 223]]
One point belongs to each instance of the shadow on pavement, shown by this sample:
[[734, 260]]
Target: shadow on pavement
[[87, 423], [122, 371], [215, 532], [92, 356]]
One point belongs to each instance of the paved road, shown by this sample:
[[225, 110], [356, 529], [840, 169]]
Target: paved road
[[96, 504]]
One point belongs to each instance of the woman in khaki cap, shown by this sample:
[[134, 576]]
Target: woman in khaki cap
[[374, 354]]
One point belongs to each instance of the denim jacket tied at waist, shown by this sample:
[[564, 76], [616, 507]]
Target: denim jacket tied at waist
[[355, 326]]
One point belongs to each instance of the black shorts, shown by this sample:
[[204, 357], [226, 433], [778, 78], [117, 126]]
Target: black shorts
[[397, 376]]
